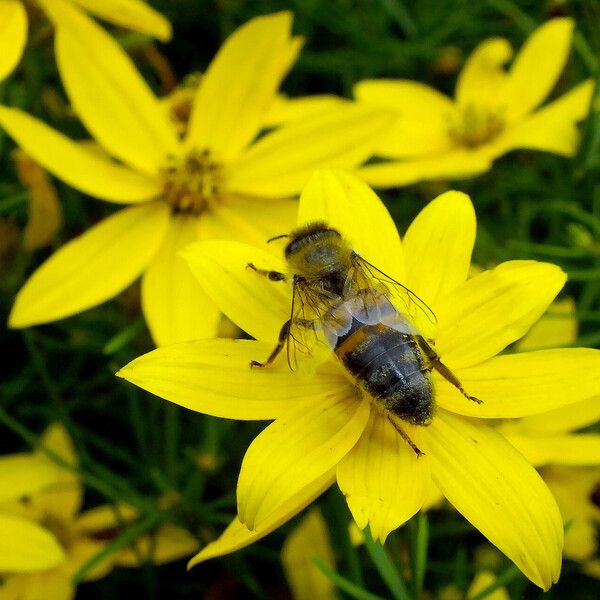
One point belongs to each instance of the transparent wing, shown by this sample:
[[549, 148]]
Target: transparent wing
[[312, 335], [369, 283]]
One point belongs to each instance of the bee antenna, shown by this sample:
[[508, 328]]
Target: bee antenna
[[277, 237]]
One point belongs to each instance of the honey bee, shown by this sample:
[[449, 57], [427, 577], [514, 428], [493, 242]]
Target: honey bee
[[366, 318]]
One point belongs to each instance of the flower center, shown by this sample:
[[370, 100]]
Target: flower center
[[192, 183], [476, 126]]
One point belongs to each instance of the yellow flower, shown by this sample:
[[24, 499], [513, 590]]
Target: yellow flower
[[134, 14], [325, 430], [308, 541], [45, 539], [218, 182], [493, 112], [577, 491]]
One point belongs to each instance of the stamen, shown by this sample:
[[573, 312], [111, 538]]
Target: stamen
[[191, 183], [476, 126]]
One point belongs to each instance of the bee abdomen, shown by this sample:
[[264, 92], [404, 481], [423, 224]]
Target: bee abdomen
[[390, 366]]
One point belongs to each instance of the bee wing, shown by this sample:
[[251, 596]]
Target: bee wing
[[313, 328], [379, 294]]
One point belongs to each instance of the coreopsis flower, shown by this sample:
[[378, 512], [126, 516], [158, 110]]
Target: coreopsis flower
[[217, 182], [325, 429], [493, 112], [133, 14], [45, 539]]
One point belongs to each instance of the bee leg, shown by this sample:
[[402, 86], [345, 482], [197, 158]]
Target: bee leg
[[272, 275], [283, 335], [442, 369], [405, 437]]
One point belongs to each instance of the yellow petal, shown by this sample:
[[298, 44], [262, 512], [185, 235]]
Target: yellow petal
[[27, 547], [62, 499], [249, 220], [438, 246], [552, 128], [309, 540], [24, 474], [347, 204], [482, 81], [13, 35], [81, 551], [493, 309], [237, 90], [382, 479], [254, 303], [567, 418], [167, 544], [455, 164], [79, 166], [280, 163], [580, 450], [557, 327], [483, 580], [214, 377], [516, 385], [422, 119], [133, 14], [175, 306], [93, 267], [284, 109], [493, 486], [54, 583], [538, 66], [56, 438], [104, 518], [302, 445], [45, 212], [107, 92], [238, 536]]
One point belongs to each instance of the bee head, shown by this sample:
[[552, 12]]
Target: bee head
[[315, 248]]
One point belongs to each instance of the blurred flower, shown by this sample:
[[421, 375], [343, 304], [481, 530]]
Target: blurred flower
[[494, 112], [133, 14], [45, 212], [308, 541], [216, 183], [45, 539], [577, 492], [481, 581], [326, 430]]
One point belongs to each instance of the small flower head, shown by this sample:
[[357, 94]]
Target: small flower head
[[493, 111], [327, 429]]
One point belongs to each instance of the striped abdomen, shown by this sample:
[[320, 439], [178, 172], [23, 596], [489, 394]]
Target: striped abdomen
[[390, 366]]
